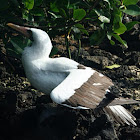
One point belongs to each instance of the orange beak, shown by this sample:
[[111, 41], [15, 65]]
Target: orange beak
[[21, 29]]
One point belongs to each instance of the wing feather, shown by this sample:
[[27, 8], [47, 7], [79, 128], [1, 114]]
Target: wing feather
[[82, 87]]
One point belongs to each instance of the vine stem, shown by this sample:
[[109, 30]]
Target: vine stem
[[67, 46]]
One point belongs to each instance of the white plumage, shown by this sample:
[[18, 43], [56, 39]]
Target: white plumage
[[73, 81], [68, 83]]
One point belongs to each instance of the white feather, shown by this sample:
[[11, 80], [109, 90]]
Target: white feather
[[122, 113], [97, 84], [67, 88], [78, 107]]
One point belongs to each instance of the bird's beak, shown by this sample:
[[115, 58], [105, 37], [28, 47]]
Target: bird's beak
[[21, 29]]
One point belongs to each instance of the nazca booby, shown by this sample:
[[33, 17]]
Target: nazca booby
[[68, 82]]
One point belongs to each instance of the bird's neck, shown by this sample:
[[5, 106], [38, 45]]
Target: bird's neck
[[41, 49]]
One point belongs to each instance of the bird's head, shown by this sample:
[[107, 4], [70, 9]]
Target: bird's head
[[34, 34], [41, 41]]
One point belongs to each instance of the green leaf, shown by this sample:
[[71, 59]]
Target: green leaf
[[54, 15], [62, 13], [103, 15], [3, 5], [117, 37], [97, 37], [113, 66], [54, 51], [53, 7], [37, 12], [130, 2], [102, 25], [82, 28], [133, 10], [117, 19], [29, 4], [104, 19], [13, 53], [109, 36], [130, 25], [16, 46], [37, 2], [119, 28], [108, 2], [19, 43], [112, 42], [26, 15], [79, 14], [76, 36]]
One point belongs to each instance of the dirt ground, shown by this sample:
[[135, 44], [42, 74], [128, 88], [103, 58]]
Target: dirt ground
[[27, 114]]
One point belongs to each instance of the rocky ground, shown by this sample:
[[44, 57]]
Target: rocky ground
[[28, 114]]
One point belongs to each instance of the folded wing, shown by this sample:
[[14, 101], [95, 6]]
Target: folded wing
[[82, 88]]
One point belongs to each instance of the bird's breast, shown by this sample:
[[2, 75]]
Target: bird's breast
[[40, 78], [45, 81]]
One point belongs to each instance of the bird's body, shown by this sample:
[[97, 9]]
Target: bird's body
[[68, 82], [42, 77]]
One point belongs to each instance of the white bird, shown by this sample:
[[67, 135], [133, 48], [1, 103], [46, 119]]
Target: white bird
[[68, 82]]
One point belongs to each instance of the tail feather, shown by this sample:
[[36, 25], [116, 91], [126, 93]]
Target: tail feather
[[120, 114], [122, 101]]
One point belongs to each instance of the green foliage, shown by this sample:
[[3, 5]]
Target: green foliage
[[132, 10], [130, 25], [79, 14], [19, 43], [119, 28], [28, 4], [71, 18], [97, 37], [117, 37], [130, 2]]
